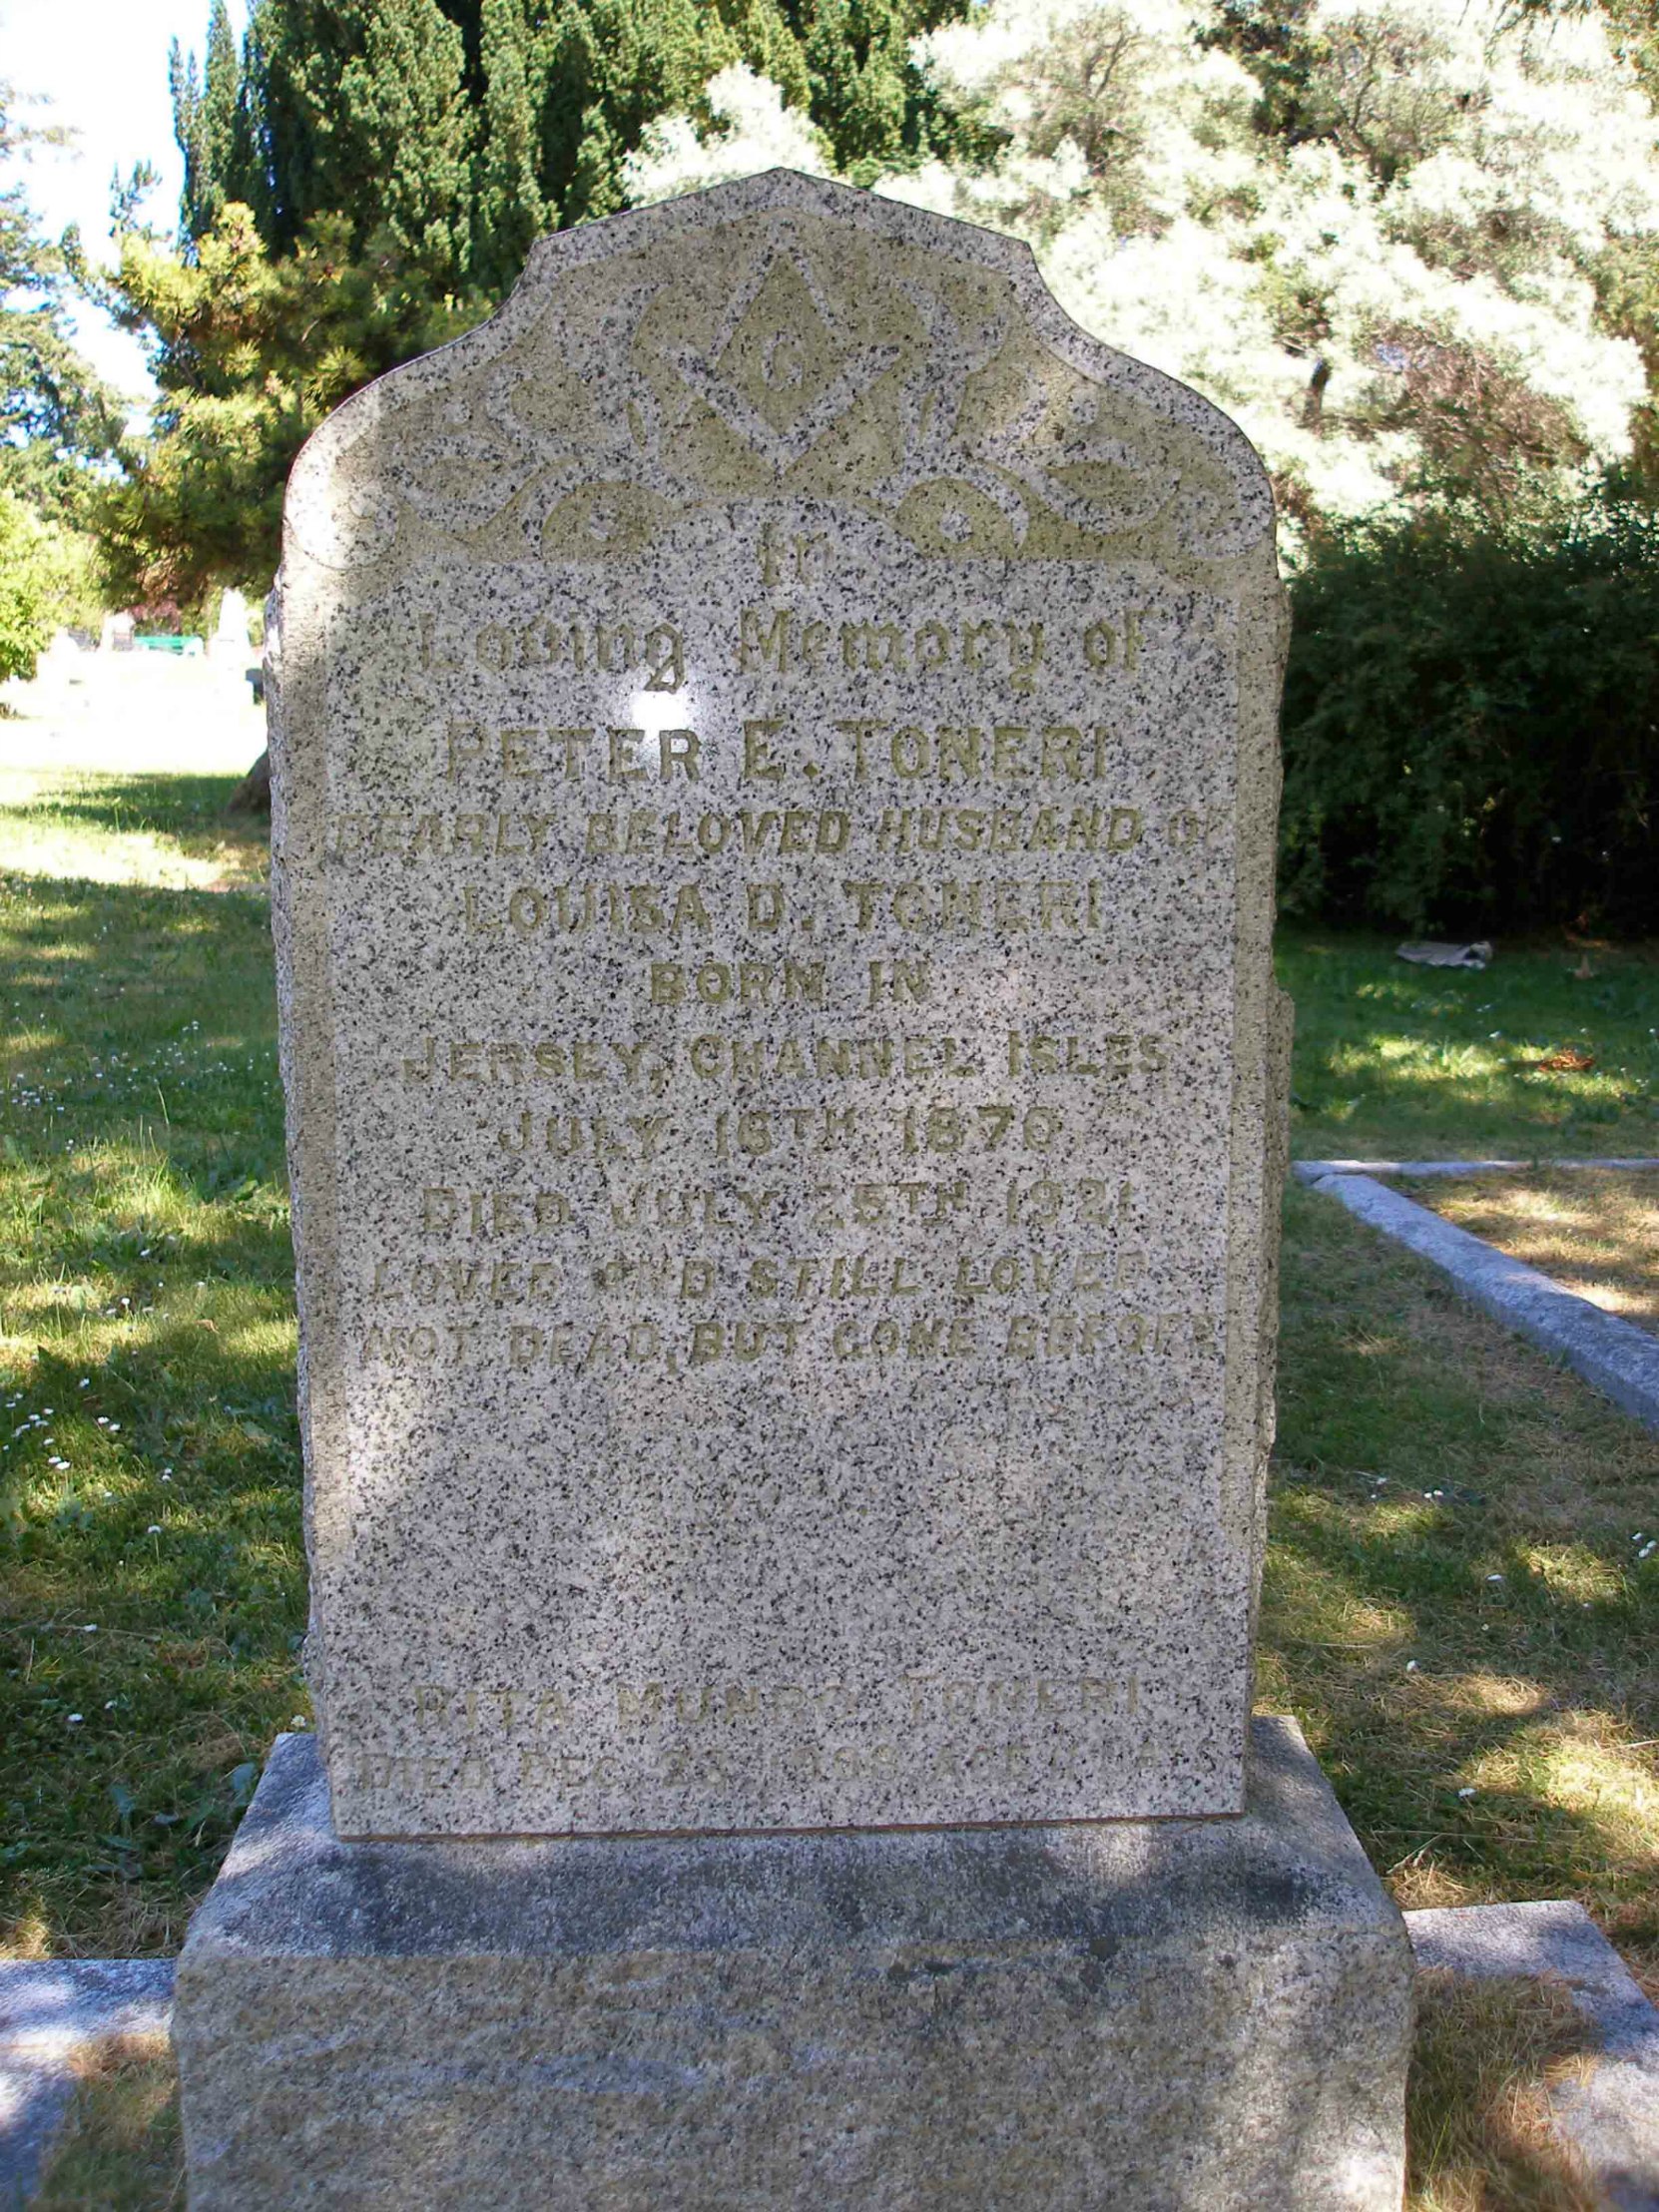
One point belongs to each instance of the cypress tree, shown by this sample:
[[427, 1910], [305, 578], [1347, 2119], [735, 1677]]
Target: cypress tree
[[361, 112], [509, 211], [465, 128], [609, 68], [205, 123]]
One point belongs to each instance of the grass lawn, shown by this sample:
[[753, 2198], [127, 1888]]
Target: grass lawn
[[1454, 1603], [1455, 1606], [1408, 1063], [152, 1600]]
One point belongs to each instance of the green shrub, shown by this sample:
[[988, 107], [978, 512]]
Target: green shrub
[[46, 579], [26, 617], [1471, 727]]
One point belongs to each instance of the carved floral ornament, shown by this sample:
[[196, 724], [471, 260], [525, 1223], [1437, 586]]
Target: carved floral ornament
[[775, 356]]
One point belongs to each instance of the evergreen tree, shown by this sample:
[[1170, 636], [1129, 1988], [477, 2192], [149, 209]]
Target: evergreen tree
[[205, 123], [509, 211], [251, 351], [607, 68], [357, 109], [470, 127], [368, 177], [864, 86]]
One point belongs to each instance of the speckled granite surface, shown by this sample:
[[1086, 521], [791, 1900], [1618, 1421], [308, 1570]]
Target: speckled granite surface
[[775, 797], [1162, 2016]]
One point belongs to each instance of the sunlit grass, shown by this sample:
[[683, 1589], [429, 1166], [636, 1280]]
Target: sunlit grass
[[1489, 2059], [1400, 1062], [152, 1600], [164, 833]]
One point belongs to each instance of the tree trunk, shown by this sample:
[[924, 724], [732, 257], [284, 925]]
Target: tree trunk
[[253, 795]]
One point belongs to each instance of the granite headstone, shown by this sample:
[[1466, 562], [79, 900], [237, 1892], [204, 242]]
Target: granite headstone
[[774, 820], [774, 823]]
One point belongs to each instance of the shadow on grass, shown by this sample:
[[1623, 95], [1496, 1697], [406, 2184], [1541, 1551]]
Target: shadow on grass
[[152, 1599], [190, 809], [122, 2147], [1453, 1604], [119, 1000]]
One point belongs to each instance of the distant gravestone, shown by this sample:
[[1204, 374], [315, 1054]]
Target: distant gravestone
[[230, 639], [62, 654], [774, 805]]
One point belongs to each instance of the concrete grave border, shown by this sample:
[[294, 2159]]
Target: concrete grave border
[[1315, 1171], [1611, 2118], [52, 2012], [1612, 1356]]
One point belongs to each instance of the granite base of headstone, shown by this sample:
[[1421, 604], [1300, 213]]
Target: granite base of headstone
[[1156, 2015], [773, 794]]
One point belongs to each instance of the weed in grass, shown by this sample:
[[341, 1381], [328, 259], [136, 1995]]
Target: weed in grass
[[1488, 2055], [1406, 1063]]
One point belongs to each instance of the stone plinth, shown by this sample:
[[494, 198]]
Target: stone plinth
[[1176, 2016]]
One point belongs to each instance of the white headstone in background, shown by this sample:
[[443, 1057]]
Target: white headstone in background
[[230, 638]]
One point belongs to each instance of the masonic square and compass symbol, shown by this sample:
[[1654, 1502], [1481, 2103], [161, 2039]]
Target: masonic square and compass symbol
[[779, 371]]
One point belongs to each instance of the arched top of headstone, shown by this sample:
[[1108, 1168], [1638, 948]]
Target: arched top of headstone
[[778, 338]]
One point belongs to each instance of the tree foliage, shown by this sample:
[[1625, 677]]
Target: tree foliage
[[206, 124], [47, 578], [1409, 245], [465, 128], [1413, 245], [251, 351], [1472, 724], [58, 426], [55, 414]]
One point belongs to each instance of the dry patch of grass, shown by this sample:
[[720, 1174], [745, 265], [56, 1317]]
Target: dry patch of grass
[[121, 2149], [1488, 2056], [1455, 1602], [1595, 1232]]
